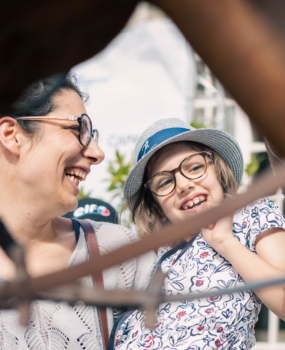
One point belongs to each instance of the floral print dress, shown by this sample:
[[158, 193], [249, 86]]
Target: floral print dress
[[221, 322]]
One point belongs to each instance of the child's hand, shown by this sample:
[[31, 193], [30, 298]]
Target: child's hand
[[216, 234]]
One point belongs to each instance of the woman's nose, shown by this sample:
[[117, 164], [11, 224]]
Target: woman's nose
[[182, 183], [93, 152]]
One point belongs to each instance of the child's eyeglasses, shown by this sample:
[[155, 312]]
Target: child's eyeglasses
[[84, 128], [192, 167]]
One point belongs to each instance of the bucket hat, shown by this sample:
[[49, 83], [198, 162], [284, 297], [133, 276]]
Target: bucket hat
[[166, 131]]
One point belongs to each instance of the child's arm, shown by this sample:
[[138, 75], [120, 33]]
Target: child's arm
[[268, 264]]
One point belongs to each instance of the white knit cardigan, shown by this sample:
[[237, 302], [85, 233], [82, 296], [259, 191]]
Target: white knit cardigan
[[60, 326]]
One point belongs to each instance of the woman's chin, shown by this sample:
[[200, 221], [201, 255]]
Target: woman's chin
[[70, 205]]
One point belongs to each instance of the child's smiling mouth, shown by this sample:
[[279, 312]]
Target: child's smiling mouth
[[194, 202]]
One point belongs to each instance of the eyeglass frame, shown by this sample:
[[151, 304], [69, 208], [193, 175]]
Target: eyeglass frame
[[178, 170], [94, 132]]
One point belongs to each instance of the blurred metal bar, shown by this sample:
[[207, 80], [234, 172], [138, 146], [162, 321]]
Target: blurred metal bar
[[152, 298], [243, 51], [42, 38], [22, 279], [116, 298], [273, 327], [263, 187], [266, 185], [273, 11], [148, 299]]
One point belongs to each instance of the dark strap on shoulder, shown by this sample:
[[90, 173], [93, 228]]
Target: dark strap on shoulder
[[117, 324], [98, 278], [76, 228]]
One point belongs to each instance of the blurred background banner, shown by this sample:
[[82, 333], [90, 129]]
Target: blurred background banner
[[94, 209], [147, 73]]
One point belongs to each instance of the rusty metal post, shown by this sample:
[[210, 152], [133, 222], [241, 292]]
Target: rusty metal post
[[153, 298], [22, 280]]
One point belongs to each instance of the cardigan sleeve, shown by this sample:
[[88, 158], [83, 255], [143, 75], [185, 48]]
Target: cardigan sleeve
[[145, 266]]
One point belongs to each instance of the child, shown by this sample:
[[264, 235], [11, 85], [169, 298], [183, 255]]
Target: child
[[178, 171]]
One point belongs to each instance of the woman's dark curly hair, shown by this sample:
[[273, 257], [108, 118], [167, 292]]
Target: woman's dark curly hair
[[145, 210], [27, 104]]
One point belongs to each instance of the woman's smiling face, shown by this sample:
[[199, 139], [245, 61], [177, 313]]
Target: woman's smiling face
[[189, 196], [53, 164]]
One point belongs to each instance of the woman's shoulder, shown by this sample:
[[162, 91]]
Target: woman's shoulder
[[111, 237], [113, 233]]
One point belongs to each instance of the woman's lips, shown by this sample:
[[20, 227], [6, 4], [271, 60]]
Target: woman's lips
[[75, 176]]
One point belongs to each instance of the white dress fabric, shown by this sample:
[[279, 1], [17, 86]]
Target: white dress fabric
[[221, 322], [58, 326]]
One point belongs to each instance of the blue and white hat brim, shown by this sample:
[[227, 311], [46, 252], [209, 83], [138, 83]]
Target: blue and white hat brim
[[223, 143]]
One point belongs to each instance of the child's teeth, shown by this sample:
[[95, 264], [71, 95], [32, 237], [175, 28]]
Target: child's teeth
[[196, 200], [188, 205]]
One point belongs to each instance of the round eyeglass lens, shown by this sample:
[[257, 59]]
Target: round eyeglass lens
[[162, 184], [194, 167], [96, 136], [85, 132]]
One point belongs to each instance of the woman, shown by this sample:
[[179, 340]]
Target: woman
[[42, 160], [180, 171]]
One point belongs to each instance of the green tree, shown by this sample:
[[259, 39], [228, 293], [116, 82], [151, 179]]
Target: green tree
[[83, 194], [195, 124], [253, 166], [119, 170]]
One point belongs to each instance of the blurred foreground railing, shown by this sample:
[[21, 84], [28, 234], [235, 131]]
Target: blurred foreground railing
[[242, 50], [23, 289]]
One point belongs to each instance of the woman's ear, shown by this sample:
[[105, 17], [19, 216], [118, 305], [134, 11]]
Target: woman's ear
[[10, 136]]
